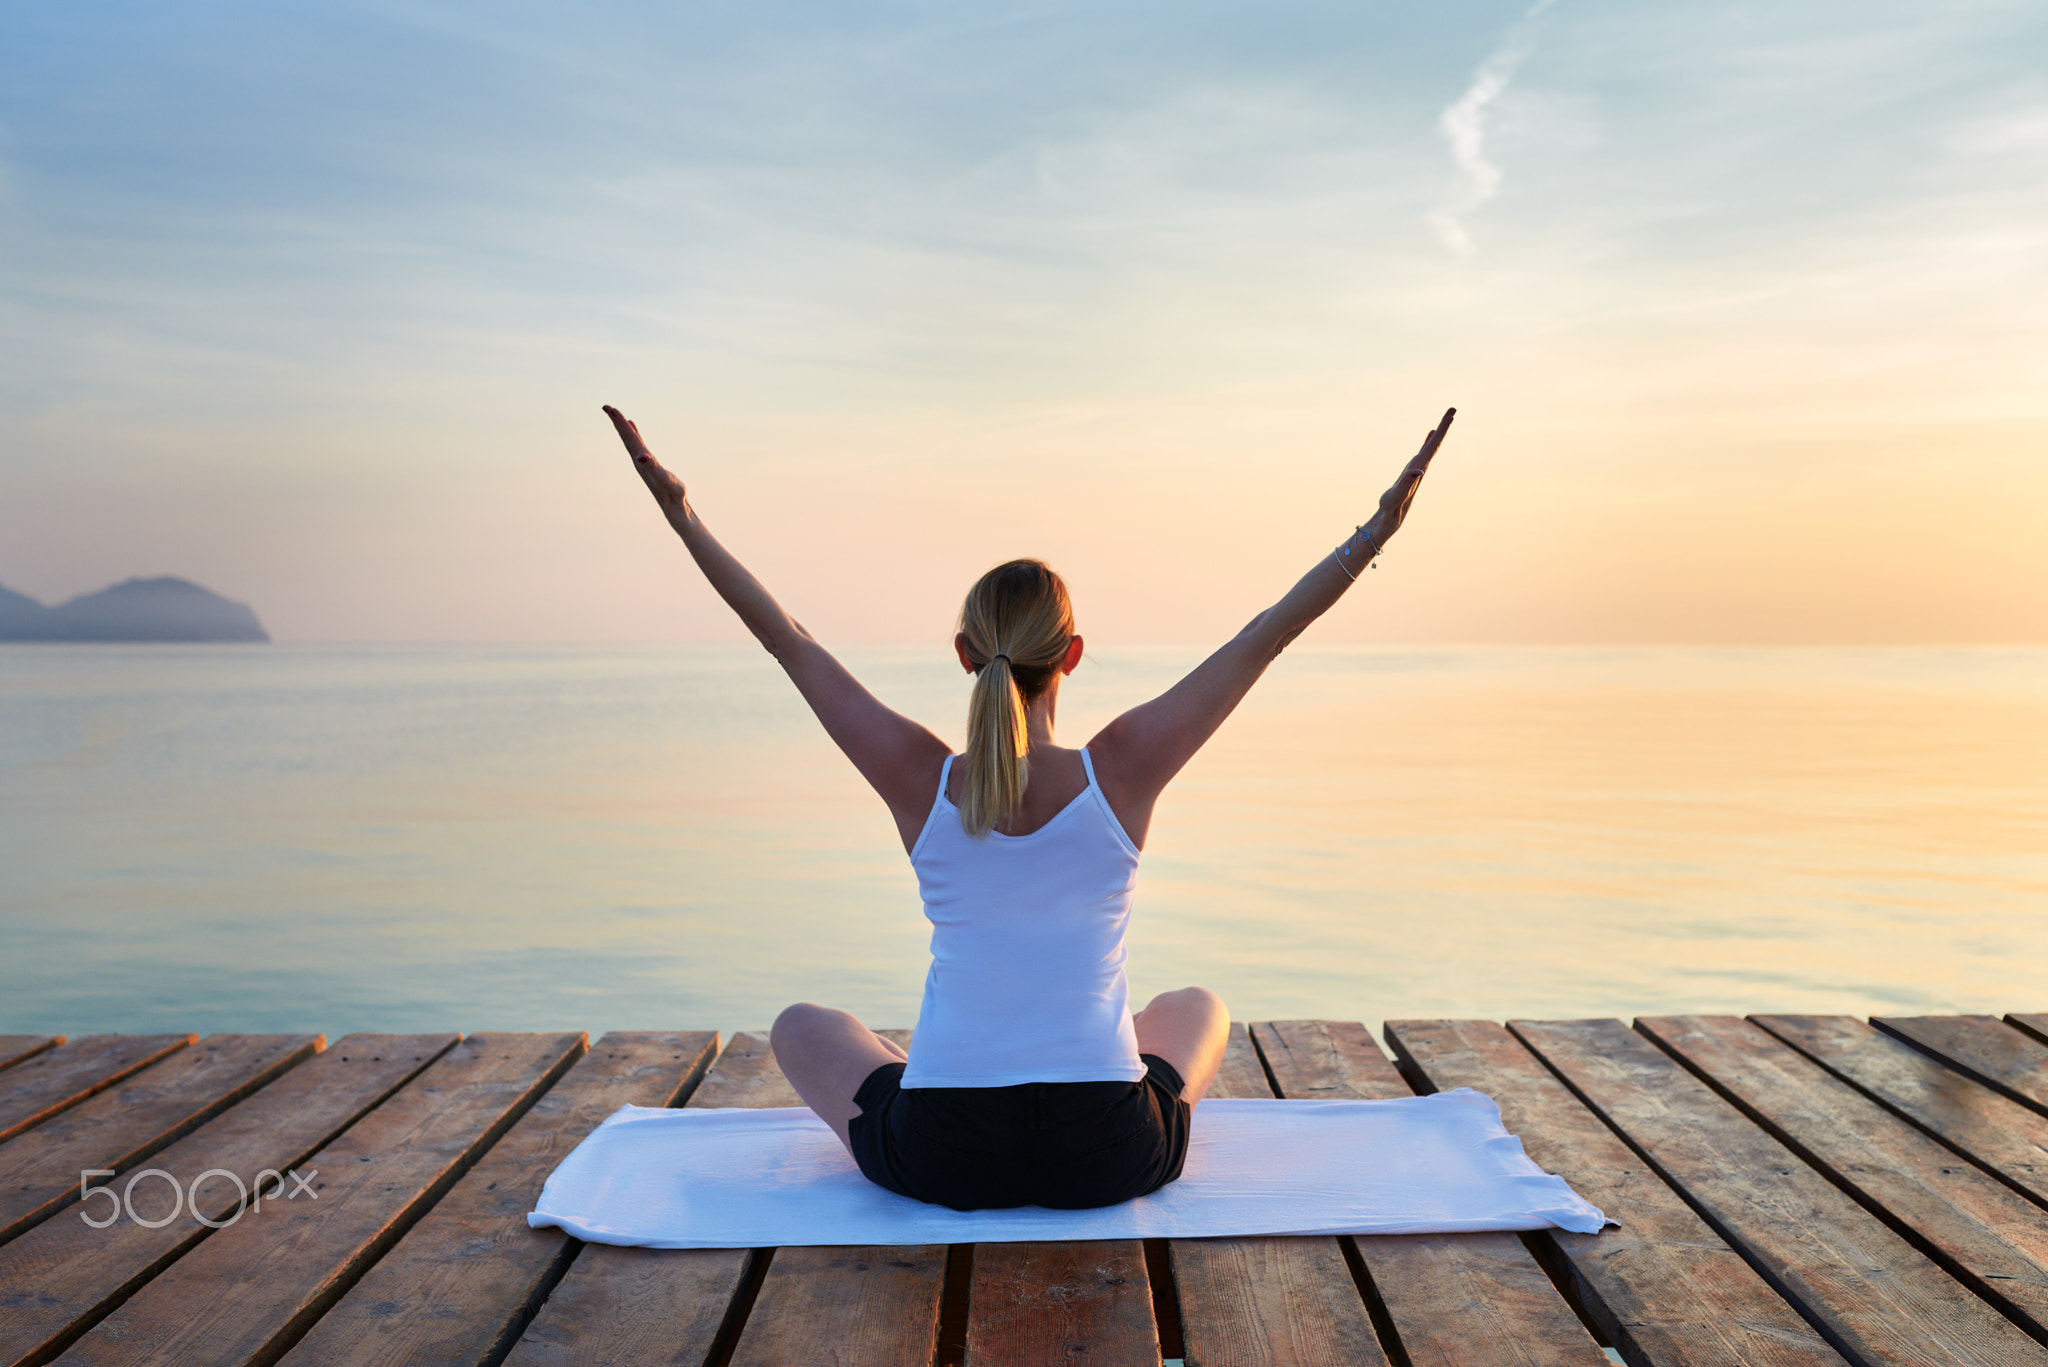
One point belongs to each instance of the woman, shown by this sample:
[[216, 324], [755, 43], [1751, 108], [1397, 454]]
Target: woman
[[1028, 1081]]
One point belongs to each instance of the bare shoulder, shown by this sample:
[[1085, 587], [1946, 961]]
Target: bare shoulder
[[912, 784], [914, 777], [1125, 785]]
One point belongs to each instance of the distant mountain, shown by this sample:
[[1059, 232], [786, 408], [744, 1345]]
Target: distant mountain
[[163, 609], [18, 613]]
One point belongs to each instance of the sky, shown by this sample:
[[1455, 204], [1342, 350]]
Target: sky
[[1744, 307]]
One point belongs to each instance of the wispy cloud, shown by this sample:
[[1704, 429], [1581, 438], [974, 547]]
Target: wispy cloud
[[1464, 127]]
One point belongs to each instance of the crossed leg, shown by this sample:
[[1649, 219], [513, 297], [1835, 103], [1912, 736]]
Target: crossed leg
[[826, 1055], [1189, 1029]]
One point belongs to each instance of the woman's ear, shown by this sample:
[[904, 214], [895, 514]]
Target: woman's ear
[[960, 649], [1073, 657]]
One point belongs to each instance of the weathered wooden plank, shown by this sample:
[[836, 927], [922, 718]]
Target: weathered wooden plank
[[1312, 1060], [118, 1128], [1998, 1134], [1035, 1305], [637, 1306], [631, 1304], [462, 1283], [1270, 1300], [62, 1276], [868, 1307], [1982, 1232], [1472, 1299], [247, 1292], [39, 1087], [1874, 1295], [646, 1305], [1266, 1300], [746, 1075], [1664, 1287], [2035, 1024], [2007, 1060], [1243, 1073], [875, 1305], [15, 1048]]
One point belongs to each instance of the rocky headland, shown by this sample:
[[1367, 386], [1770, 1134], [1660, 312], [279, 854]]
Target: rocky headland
[[161, 609]]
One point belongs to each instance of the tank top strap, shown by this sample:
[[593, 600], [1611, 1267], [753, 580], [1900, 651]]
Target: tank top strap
[[933, 817], [1088, 763]]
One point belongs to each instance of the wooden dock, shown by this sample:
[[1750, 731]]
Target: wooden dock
[[1790, 1189]]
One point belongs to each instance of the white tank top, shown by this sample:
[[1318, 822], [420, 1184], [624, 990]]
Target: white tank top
[[1027, 977]]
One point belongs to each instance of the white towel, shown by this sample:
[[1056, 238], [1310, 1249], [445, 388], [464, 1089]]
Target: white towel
[[762, 1178]]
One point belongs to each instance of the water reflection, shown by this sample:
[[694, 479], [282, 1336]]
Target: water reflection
[[540, 838]]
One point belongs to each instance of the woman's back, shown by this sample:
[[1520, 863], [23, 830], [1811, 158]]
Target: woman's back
[[1026, 982]]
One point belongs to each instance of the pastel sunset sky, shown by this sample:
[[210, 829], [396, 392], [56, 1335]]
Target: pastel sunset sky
[[1744, 307]]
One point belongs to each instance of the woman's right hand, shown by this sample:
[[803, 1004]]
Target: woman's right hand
[[661, 482], [1393, 509]]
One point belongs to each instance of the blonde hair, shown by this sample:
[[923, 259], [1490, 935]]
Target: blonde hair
[[1017, 623]]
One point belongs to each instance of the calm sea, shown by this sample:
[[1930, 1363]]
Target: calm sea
[[348, 838]]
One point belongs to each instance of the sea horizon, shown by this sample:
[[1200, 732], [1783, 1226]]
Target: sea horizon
[[346, 836]]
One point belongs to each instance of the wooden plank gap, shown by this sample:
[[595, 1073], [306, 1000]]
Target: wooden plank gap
[[619, 1304], [1984, 1128], [17, 1048], [1477, 1299], [739, 1307], [464, 1283], [1769, 1125], [1906, 1228], [543, 1286], [127, 1124], [2034, 1023], [1600, 1114], [1375, 1304], [1165, 1299], [1981, 1048], [1978, 1231], [1663, 1288], [82, 1274], [1258, 1039], [951, 1348], [1547, 1255], [558, 1266], [1743, 1248], [251, 1290], [1874, 1295], [53, 1081], [352, 1271], [1277, 1302]]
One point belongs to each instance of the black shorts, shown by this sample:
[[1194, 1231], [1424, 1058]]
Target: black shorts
[[1064, 1145]]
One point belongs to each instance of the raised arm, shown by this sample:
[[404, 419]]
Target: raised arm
[[898, 758], [1139, 753]]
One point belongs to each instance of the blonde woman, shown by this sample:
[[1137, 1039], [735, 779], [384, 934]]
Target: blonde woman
[[1028, 1081]]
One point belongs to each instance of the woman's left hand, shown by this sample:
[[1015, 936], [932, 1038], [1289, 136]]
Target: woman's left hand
[[661, 482], [1393, 509]]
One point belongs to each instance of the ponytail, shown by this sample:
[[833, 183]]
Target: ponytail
[[998, 767], [1016, 625]]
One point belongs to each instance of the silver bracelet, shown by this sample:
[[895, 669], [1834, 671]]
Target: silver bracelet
[[1344, 551]]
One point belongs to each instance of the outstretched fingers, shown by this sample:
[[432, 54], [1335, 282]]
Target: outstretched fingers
[[1394, 502], [629, 433], [1430, 443], [661, 482]]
